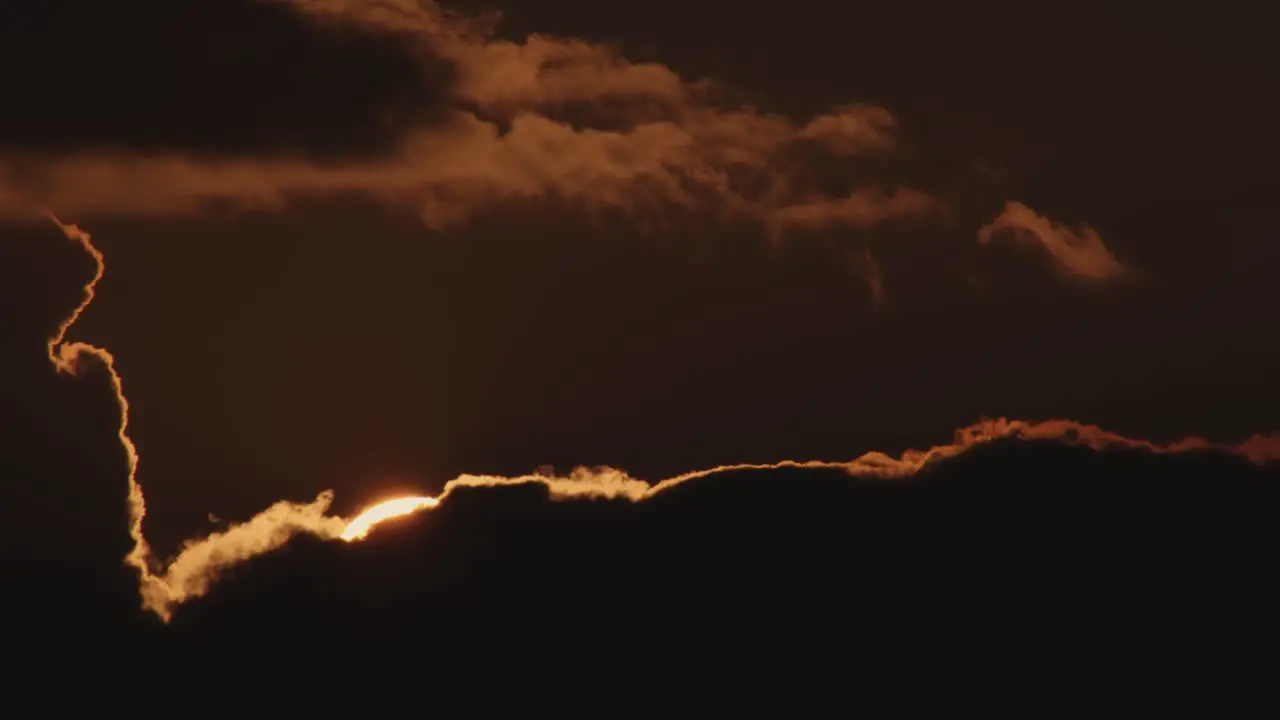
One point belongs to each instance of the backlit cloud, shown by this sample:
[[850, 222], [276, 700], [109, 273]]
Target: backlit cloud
[[165, 585]]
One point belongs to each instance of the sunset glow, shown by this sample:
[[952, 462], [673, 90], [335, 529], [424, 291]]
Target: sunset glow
[[654, 332], [358, 528]]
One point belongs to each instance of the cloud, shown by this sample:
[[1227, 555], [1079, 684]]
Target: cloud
[[538, 118], [164, 586], [1077, 254], [544, 117], [197, 565], [1016, 541], [489, 121], [606, 483], [190, 573], [195, 569]]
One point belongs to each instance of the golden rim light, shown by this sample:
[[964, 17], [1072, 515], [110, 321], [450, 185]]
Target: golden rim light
[[359, 527]]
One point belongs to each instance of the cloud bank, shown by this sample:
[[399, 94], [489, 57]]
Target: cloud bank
[[163, 586]]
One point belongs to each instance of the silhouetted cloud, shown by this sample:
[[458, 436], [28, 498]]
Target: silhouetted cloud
[[1053, 533], [164, 586], [1030, 541]]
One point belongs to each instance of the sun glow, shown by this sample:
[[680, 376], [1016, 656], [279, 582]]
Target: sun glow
[[358, 528], [163, 586]]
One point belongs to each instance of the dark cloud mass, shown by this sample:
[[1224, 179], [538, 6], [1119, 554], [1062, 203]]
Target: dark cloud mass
[[307, 255], [1059, 538], [546, 558], [211, 78]]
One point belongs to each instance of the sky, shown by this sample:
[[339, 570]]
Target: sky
[[368, 247]]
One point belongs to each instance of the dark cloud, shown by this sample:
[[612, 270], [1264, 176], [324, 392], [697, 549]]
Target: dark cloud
[[1029, 545], [61, 465], [1033, 541], [208, 78], [165, 584]]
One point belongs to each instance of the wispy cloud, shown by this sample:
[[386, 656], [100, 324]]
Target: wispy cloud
[[1077, 254], [541, 117]]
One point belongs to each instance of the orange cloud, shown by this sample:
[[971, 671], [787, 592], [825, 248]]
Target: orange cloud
[[666, 142], [1077, 254], [191, 572], [163, 586]]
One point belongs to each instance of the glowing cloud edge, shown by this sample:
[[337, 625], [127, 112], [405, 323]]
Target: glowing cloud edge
[[360, 526], [196, 567]]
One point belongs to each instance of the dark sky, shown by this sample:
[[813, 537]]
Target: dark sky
[[320, 274]]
